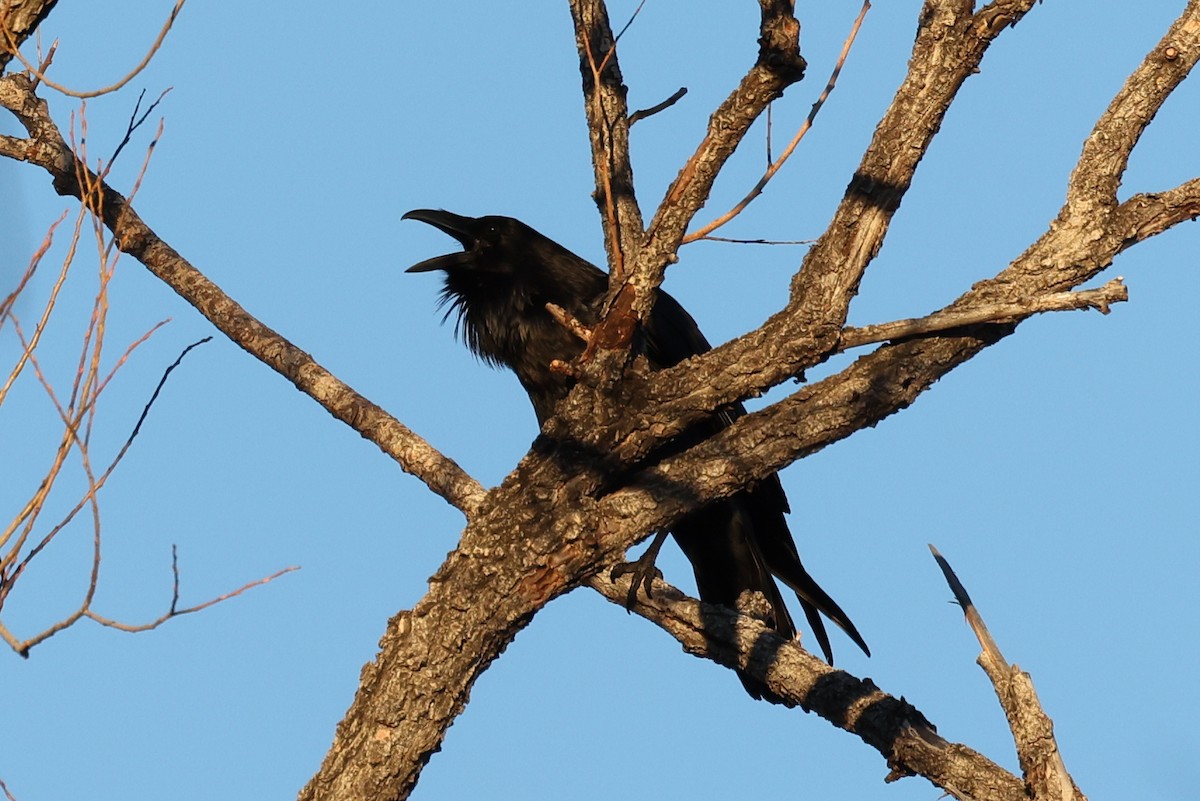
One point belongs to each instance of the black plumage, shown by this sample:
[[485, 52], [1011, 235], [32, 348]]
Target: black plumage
[[498, 287]]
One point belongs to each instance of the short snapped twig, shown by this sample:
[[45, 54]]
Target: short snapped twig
[[1046, 775], [564, 318], [643, 113]]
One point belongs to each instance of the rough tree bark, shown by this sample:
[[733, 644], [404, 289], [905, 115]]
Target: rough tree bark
[[547, 529]]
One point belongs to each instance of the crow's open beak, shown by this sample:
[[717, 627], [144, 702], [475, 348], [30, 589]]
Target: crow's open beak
[[457, 226]]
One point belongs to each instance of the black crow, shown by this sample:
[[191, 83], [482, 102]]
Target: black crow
[[498, 287]]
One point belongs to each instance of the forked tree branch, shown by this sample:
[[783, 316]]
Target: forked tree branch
[[1090, 231], [779, 65], [548, 504]]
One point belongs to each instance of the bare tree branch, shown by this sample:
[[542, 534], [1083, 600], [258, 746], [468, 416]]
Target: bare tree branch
[[779, 65], [1085, 239], [1045, 774], [174, 610], [46, 148], [1100, 299], [560, 516], [894, 727], [643, 113], [1150, 213], [608, 126]]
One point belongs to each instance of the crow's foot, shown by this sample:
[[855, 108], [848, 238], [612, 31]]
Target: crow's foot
[[643, 570]]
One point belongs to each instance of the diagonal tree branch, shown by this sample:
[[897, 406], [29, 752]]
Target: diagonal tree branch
[[1042, 765], [949, 47], [893, 726], [774, 166], [1150, 213], [46, 148], [947, 51]]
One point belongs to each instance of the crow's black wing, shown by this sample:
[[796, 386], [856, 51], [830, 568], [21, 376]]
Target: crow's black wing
[[756, 541]]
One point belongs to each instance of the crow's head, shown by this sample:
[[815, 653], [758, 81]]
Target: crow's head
[[493, 244], [498, 286]]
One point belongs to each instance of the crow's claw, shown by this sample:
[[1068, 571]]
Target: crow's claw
[[643, 570]]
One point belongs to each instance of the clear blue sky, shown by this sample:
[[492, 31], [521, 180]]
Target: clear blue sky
[[1057, 471]]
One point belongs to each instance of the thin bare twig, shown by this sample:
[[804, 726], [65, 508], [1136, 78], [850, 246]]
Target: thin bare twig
[[758, 241], [136, 122], [44, 63], [40, 75], [174, 610]]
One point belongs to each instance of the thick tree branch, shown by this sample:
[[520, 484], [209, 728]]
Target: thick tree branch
[[1150, 213], [532, 540], [544, 531], [874, 387], [1094, 182], [948, 49], [900, 732], [46, 148]]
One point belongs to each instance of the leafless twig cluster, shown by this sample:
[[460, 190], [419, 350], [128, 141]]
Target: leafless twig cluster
[[27, 535]]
